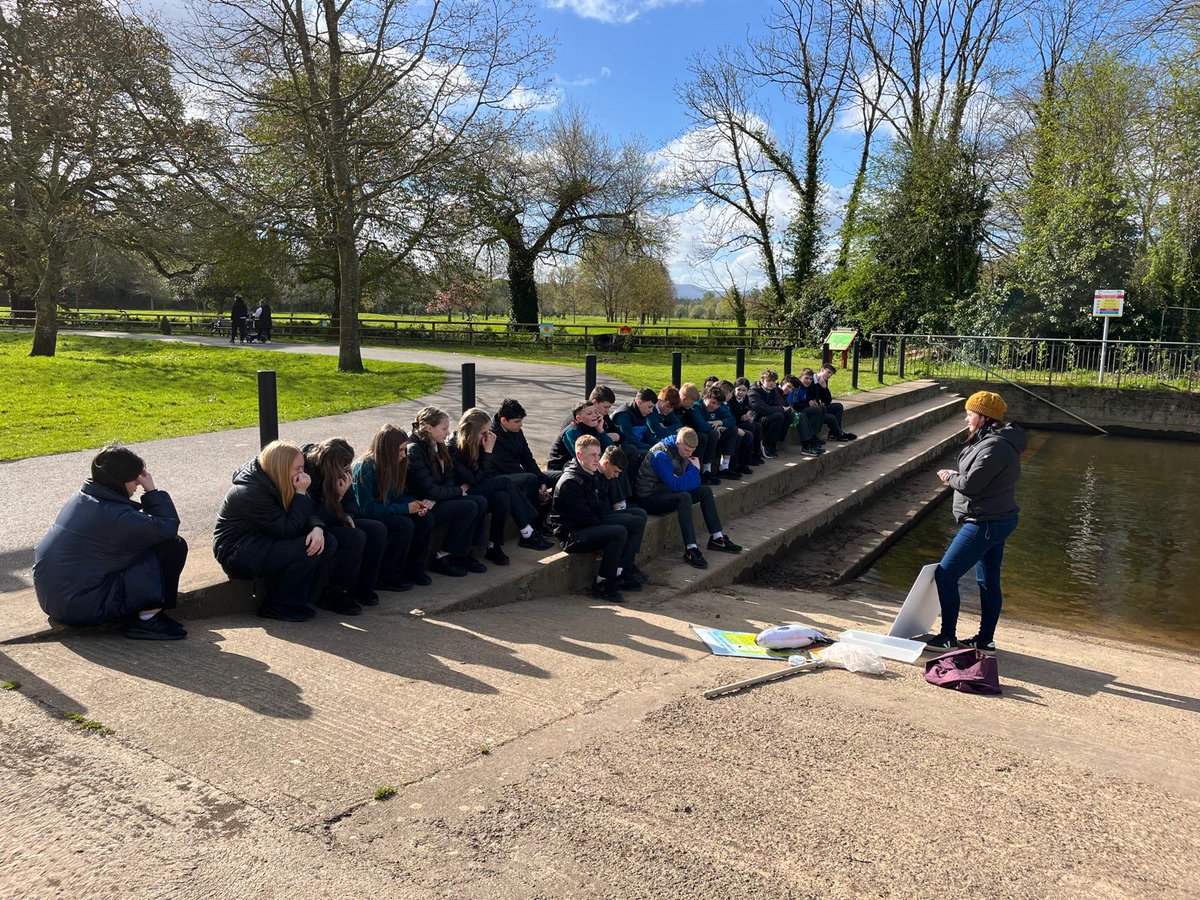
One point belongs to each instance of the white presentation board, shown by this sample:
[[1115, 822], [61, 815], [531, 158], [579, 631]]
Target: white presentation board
[[921, 607]]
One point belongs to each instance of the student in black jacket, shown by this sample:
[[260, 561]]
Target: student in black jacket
[[833, 409], [578, 517], [471, 450], [511, 456], [766, 402], [361, 541], [737, 399], [630, 421], [807, 413], [237, 319], [267, 527], [431, 477], [109, 557]]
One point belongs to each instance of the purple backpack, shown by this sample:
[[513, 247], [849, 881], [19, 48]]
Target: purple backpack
[[969, 671]]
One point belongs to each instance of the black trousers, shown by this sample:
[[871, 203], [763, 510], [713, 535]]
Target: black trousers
[[609, 539], [774, 427], [293, 577], [237, 327], [171, 556], [633, 520], [505, 499], [808, 423], [680, 502], [464, 515], [727, 442], [407, 547], [360, 554]]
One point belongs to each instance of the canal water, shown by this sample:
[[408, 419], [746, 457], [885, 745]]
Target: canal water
[[1108, 541]]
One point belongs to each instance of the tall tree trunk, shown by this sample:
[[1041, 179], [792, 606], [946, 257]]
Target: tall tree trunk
[[848, 222], [805, 251], [349, 348], [522, 285], [45, 301]]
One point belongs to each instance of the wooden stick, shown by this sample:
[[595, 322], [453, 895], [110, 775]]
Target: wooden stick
[[761, 679]]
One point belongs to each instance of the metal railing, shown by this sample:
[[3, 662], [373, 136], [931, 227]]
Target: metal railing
[[289, 326], [1152, 365]]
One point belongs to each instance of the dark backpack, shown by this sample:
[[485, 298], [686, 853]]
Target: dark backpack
[[969, 671]]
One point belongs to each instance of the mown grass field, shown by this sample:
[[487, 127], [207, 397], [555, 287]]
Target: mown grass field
[[96, 390]]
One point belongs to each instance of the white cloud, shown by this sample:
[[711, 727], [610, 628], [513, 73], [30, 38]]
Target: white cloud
[[613, 12], [605, 72]]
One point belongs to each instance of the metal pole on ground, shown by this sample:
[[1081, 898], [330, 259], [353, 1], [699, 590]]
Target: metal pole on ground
[[826, 355], [741, 362], [468, 386], [268, 408], [787, 359], [902, 354], [880, 347], [854, 371], [677, 369], [589, 376]]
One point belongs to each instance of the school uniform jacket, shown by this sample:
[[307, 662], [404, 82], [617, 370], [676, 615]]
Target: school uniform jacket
[[366, 494], [579, 502], [252, 517], [665, 470], [426, 479], [484, 468], [94, 564], [764, 403], [511, 454], [631, 425]]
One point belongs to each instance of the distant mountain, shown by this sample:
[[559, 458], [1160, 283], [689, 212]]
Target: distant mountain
[[689, 291]]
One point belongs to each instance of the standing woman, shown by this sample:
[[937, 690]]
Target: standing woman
[[431, 477], [471, 450], [985, 507], [268, 528], [379, 477], [109, 557]]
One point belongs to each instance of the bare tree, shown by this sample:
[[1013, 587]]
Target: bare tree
[[546, 199], [721, 162], [356, 116]]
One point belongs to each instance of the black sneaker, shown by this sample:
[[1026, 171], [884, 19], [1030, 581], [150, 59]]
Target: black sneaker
[[368, 598], [637, 573], [606, 591], [160, 627], [809, 450], [287, 613], [693, 557], [942, 644], [397, 587], [976, 644], [745, 470], [847, 436], [768, 452], [496, 555], [447, 565], [339, 603], [725, 545], [536, 541], [629, 582], [420, 579], [732, 474], [471, 564]]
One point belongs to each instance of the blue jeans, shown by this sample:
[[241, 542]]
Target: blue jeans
[[978, 544]]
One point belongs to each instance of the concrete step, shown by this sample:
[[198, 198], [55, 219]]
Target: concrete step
[[885, 418]]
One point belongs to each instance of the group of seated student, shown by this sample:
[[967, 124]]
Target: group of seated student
[[317, 527]]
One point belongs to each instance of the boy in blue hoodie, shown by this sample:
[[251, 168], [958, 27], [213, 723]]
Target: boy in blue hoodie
[[630, 421], [669, 481]]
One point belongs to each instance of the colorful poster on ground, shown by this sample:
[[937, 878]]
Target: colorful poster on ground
[[738, 643]]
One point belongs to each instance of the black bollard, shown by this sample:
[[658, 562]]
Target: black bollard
[[468, 386], [741, 362], [854, 367], [677, 369], [880, 346], [589, 376], [787, 359], [903, 355], [268, 408], [826, 355]]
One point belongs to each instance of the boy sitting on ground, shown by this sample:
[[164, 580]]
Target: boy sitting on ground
[[669, 481], [630, 421], [511, 456], [832, 408], [578, 517], [767, 404], [807, 413]]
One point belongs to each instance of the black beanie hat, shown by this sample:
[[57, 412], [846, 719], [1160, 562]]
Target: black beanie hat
[[115, 465]]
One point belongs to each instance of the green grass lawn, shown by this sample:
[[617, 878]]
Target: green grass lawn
[[96, 390]]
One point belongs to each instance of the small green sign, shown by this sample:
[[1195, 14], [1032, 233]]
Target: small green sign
[[841, 338]]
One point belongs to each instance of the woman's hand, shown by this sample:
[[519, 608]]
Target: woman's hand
[[489, 441], [343, 484], [945, 474], [146, 480], [428, 505], [301, 481], [416, 508], [315, 542], [465, 487]]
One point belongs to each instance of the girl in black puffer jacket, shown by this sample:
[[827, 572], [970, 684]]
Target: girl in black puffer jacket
[[268, 527], [431, 477]]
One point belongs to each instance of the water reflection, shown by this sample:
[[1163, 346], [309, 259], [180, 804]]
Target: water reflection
[[1109, 540]]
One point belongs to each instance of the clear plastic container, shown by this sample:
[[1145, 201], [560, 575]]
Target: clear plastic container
[[900, 649]]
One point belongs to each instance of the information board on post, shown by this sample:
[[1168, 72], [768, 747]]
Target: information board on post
[[1107, 304]]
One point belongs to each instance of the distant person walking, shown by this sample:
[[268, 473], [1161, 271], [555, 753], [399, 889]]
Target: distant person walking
[[237, 319], [262, 317], [985, 507], [109, 557]]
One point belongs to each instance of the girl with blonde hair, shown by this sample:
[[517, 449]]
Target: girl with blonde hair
[[268, 528], [471, 451]]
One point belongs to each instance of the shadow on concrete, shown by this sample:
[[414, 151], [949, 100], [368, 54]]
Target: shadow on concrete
[[197, 665], [407, 647], [1086, 682], [15, 569], [33, 687]]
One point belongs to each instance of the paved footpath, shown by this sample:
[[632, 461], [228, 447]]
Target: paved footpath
[[196, 469]]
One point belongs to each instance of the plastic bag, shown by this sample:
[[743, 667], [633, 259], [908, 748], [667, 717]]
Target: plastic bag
[[788, 637], [853, 658]]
